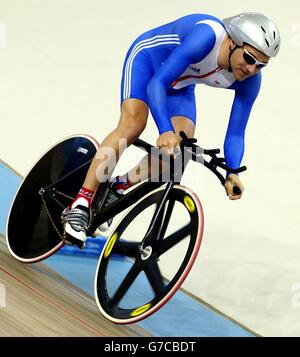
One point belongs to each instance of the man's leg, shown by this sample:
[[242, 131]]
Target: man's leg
[[134, 114], [147, 166], [185, 124], [182, 109], [133, 120]]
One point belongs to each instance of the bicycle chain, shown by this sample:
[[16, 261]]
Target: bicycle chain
[[64, 195], [49, 215], [51, 220]]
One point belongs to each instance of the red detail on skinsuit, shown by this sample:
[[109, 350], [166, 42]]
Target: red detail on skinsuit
[[121, 183], [180, 79]]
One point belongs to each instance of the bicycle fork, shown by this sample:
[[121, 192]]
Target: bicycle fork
[[160, 220]]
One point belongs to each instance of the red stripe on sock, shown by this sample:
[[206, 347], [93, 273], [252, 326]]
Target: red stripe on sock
[[86, 194]]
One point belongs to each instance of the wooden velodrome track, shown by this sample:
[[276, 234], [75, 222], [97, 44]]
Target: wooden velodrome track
[[39, 302]]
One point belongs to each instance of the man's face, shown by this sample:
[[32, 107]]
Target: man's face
[[240, 68]]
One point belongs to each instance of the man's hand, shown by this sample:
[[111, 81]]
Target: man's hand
[[233, 180], [168, 142]]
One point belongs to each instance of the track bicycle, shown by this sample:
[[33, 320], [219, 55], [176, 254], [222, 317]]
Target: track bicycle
[[148, 254]]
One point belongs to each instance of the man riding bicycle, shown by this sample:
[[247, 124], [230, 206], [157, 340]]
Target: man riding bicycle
[[160, 72]]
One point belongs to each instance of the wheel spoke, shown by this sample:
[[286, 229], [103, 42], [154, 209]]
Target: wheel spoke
[[154, 276], [126, 283], [174, 239], [129, 249]]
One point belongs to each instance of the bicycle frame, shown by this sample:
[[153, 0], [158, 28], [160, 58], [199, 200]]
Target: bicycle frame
[[102, 214]]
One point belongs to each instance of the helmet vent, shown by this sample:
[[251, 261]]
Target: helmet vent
[[274, 34], [267, 42], [263, 29], [276, 47]]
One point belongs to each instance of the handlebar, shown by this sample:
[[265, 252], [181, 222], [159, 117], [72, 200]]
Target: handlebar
[[236, 190], [197, 155], [215, 161]]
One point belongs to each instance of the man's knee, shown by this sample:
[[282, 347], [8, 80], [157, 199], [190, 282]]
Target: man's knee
[[133, 120], [185, 124]]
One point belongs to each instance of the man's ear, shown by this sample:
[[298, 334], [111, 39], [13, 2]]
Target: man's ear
[[232, 45]]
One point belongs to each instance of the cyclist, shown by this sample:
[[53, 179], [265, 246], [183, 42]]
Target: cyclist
[[160, 72]]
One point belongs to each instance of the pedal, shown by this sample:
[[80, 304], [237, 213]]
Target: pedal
[[69, 240], [82, 246]]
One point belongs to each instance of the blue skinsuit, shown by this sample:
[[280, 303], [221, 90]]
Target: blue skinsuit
[[163, 66]]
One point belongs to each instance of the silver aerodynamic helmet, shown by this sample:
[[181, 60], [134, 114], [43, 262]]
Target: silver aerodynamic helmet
[[255, 29]]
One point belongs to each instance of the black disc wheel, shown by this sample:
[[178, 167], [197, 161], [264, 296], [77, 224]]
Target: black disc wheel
[[34, 228]]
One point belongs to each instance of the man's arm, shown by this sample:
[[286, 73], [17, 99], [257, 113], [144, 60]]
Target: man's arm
[[245, 95], [193, 49]]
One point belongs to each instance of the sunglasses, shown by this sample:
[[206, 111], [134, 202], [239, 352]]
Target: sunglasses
[[250, 59]]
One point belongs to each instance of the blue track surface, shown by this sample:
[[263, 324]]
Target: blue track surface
[[181, 316]]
